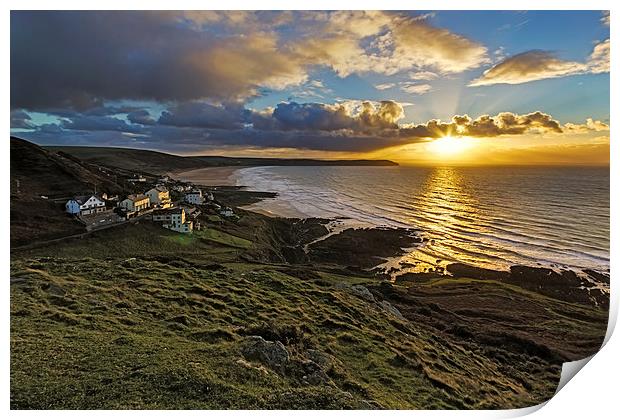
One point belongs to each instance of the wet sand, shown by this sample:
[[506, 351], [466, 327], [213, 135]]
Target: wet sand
[[214, 176], [270, 207]]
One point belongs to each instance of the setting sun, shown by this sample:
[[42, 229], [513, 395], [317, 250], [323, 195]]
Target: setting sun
[[449, 146]]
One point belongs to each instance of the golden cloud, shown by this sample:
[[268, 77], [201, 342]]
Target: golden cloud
[[537, 65], [400, 43], [590, 125]]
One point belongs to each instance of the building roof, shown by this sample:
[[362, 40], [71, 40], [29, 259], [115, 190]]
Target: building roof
[[137, 197], [159, 188], [173, 210], [81, 199]]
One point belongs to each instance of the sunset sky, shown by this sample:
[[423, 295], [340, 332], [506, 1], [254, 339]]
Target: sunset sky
[[496, 87]]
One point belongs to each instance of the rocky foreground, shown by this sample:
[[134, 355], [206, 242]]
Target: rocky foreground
[[259, 314]]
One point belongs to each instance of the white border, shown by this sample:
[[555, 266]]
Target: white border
[[592, 395]]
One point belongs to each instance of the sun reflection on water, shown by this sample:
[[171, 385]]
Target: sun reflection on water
[[448, 212]]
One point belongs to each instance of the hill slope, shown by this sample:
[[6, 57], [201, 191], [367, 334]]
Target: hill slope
[[149, 161], [37, 173], [144, 318]]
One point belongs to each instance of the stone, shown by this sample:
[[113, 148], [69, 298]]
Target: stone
[[388, 307], [271, 354], [322, 359], [362, 292]]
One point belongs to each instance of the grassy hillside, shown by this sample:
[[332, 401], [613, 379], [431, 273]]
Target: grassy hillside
[[152, 162], [36, 172], [141, 317], [142, 161]]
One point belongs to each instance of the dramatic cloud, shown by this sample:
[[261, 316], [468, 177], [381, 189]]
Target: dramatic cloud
[[96, 123], [527, 67], [399, 43], [141, 116], [536, 65], [201, 114], [21, 119], [507, 123], [600, 58], [364, 117], [385, 86], [504, 123], [417, 44], [89, 58], [590, 125], [353, 126]]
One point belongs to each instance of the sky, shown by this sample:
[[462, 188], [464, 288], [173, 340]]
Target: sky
[[418, 87]]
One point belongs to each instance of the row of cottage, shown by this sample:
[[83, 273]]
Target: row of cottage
[[158, 199]]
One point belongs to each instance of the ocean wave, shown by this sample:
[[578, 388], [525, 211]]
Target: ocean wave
[[488, 217]]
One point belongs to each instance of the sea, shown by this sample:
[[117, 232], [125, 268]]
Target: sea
[[491, 217]]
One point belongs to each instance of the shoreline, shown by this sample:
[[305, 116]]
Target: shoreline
[[280, 207], [209, 176], [227, 176]]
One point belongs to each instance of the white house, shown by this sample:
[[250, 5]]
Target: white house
[[160, 197], [227, 212], [85, 205], [194, 197], [173, 219], [137, 178], [135, 202]]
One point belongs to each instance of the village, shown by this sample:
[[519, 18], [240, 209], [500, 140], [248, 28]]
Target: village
[[169, 203]]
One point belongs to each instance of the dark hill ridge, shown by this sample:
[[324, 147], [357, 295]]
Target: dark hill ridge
[[149, 161], [37, 173]]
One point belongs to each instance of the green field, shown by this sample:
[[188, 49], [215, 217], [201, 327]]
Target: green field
[[142, 317]]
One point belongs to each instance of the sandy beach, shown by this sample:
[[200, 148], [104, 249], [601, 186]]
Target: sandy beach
[[226, 176], [213, 176]]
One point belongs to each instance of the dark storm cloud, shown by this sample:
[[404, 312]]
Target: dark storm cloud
[[205, 115], [80, 59], [183, 139], [363, 117], [359, 127], [21, 119], [141, 116], [95, 123]]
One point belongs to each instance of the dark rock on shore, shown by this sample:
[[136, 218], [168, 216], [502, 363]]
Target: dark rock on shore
[[364, 248], [565, 285], [416, 277], [600, 277], [465, 270]]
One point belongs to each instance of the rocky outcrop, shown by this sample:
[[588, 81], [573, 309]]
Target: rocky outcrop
[[363, 248], [272, 354], [275, 356], [388, 307], [362, 292], [565, 285], [465, 270]]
